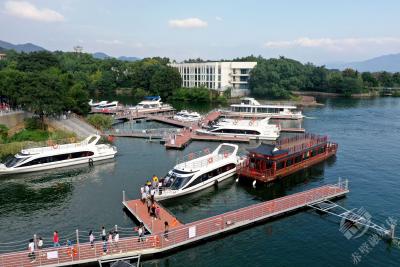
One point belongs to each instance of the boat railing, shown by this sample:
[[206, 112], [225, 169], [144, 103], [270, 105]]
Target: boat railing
[[211, 159]]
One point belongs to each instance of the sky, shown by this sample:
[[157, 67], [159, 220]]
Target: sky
[[318, 31]]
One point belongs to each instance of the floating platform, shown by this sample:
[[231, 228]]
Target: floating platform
[[182, 235], [139, 210]]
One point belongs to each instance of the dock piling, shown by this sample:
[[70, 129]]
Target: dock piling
[[123, 196]]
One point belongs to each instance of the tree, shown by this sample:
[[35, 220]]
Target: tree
[[164, 81], [36, 61], [79, 99]]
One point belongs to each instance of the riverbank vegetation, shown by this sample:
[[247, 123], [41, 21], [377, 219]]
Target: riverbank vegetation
[[33, 134], [198, 95], [100, 121]]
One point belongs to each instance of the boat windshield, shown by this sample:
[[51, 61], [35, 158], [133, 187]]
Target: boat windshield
[[12, 161], [180, 182]]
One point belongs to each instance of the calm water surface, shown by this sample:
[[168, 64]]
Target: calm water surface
[[86, 198]]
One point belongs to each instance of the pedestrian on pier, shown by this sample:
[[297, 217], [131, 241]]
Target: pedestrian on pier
[[152, 194], [148, 202], [166, 230], [40, 243], [158, 210], [153, 209], [140, 233], [144, 196], [147, 188], [56, 239], [110, 240], [103, 233], [116, 240], [91, 239], [31, 248]]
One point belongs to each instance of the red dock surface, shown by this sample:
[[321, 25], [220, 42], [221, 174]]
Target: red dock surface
[[179, 236], [139, 209]]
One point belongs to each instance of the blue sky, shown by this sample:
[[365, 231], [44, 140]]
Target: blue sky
[[318, 31]]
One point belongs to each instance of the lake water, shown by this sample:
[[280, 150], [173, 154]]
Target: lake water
[[367, 131]]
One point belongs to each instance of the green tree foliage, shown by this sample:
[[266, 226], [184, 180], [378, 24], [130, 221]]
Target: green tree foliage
[[3, 133], [100, 121]]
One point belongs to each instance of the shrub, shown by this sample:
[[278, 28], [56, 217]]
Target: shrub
[[34, 124], [3, 133], [100, 121]]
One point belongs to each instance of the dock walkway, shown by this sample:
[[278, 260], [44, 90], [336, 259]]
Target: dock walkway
[[180, 236]]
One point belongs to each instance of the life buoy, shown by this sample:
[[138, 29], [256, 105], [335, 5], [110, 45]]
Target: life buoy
[[226, 154], [157, 241], [55, 146], [250, 123], [75, 251], [210, 160]]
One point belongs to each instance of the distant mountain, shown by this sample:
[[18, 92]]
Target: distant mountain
[[28, 47], [390, 63], [124, 58], [101, 55]]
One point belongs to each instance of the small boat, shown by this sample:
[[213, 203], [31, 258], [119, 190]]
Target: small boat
[[56, 156], [108, 106], [187, 116], [96, 104], [253, 129], [151, 103], [199, 173], [249, 107]]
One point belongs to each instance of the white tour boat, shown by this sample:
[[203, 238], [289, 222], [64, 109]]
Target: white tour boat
[[253, 129], [56, 156], [187, 116], [249, 107], [108, 106], [200, 173], [151, 104], [96, 104]]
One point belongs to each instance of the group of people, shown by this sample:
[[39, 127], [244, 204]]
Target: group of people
[[35, 245], [110, 240], [148, 191]]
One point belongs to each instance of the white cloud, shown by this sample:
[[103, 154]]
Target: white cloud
[[218, 18], [27, 10], [109, 42], [188, 23], [333, 44]]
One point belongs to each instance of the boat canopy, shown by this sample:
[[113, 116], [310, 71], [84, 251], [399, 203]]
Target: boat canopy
[[152, 98], [268, 150]]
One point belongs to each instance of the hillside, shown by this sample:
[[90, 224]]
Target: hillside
[[390, 63], [27, 48]]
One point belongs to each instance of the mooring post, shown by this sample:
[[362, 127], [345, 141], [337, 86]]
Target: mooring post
[[340, 182], [346, 184], [35, 241], [123, 195], [116, 228]]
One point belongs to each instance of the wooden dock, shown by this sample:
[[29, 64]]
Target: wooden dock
[[184, 234], [139, 210]]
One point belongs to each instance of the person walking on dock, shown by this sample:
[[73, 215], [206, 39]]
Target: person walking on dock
[[158, 210], [56, 239], [148, 202], [166, 230], [116, 240], [91, 239], [140, 233], [31, 248], [110, 240], [103, 233]]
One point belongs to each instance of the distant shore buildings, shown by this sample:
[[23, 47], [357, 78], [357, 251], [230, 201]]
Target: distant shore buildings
[[2, 56], [219, 76]]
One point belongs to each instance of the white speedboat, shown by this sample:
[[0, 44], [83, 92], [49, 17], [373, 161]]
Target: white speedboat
[[151, 104], [187, 116], [199, 173], [108, 106], [56, 156], [253, 129], [249, 107], [96, 104]]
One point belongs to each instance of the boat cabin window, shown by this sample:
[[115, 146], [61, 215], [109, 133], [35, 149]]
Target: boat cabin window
[[211, 174], [236, 131], [12, 161], [180, 182], [280, 165], [56, 158]]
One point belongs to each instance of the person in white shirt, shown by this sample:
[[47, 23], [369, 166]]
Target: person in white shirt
[[91, 239], [116, 240], [31, 248]]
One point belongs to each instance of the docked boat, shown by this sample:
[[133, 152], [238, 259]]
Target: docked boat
[[108, 105], [151, 104], [56, 156], [199, 173], [253, 129], [187, 116], [96, 104], [249, 107], [268, 162]]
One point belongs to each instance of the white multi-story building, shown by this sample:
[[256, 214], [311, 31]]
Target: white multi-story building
[[216, 75]]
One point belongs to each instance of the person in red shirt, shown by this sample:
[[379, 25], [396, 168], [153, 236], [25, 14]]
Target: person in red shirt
[[56, 239]]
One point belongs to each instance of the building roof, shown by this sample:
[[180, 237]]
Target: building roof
[[268, 150]]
